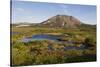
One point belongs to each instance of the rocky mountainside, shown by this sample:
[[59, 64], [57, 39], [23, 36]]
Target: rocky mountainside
[[62, 21]]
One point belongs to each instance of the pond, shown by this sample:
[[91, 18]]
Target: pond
[[43, 37], [54, 38]]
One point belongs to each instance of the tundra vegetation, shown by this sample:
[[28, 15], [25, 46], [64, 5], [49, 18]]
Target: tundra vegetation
[[49, 51]]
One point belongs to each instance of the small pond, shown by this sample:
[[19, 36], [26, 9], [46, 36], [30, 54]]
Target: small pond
[[54, 38], [42, 37]]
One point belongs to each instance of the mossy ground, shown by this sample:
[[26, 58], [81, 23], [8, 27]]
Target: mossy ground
[[37, 52]]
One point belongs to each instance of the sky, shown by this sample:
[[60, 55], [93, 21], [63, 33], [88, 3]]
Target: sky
[[36, 12]]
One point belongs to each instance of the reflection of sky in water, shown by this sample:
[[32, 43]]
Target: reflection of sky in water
[[40, 37], [54, 38]]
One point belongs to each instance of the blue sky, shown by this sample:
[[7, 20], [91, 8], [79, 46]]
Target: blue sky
[[36, 12]]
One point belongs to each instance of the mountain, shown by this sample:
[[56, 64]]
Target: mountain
[[58, 21], [62, 21]]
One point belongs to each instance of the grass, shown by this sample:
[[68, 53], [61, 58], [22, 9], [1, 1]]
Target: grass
[[37, 52]]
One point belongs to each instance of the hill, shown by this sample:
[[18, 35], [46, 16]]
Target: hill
[[62, 21]]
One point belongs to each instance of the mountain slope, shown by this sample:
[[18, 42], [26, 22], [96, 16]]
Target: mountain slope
[[62, 21]]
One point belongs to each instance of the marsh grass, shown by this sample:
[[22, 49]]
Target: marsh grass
[[51, 52]]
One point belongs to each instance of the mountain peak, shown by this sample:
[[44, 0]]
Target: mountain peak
[[62, 21]]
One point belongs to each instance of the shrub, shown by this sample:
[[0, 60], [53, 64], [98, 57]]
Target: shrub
[[89, 42]]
